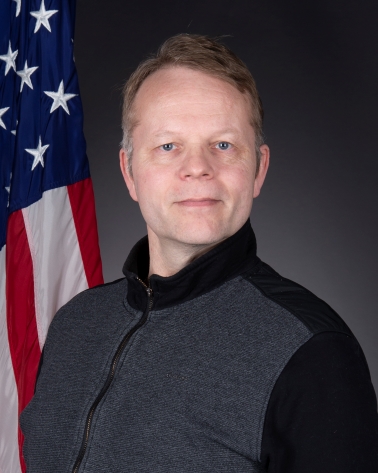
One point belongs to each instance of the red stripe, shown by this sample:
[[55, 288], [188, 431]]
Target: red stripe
[[83, 211], [21, 321]]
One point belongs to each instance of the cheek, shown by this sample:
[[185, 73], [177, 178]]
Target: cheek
[[239, 181], [150, 186]]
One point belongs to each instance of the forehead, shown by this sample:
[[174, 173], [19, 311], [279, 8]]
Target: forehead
[[177, 91]]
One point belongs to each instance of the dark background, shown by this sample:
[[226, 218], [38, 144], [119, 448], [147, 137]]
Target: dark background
[[316, 67]]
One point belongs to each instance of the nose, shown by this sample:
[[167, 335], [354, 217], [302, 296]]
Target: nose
[[197, 164]]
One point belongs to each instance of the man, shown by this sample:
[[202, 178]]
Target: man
[[203, 358]]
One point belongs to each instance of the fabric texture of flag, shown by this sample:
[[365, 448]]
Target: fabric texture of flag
[[48, 233]]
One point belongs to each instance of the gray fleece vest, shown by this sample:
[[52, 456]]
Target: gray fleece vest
[[172, 379]]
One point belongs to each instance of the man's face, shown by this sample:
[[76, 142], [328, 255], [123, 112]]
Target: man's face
[[194, 157]]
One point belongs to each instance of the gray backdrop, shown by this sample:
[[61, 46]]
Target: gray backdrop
[[316, 67]]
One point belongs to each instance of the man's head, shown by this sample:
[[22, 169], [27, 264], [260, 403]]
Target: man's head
[[194, 167], [197, 53]]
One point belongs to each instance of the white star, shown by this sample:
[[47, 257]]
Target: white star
[[38, 154], [9, 58], [60, 98], [25, 75], [18, 6], [2, 111], [43, 17]]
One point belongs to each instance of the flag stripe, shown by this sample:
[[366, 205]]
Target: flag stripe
[[83, 210], [9, 453], [57, 265], [22, 328]]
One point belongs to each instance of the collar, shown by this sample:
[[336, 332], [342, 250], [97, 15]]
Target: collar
[[233, 256]]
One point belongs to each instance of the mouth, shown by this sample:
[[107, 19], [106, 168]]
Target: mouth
[[203, 202]]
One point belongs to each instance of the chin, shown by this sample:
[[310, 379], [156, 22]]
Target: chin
[[201, 233]]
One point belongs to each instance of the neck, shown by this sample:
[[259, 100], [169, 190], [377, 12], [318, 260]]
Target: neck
[[168, 257]]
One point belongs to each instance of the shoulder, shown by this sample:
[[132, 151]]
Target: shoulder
[[315, 314], [90, 305], [98, 294], [321, 409]]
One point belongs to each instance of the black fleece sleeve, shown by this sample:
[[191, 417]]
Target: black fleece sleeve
[[322, 413]]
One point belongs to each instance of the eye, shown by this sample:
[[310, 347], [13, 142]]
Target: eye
[[223, 145], [167, 147]]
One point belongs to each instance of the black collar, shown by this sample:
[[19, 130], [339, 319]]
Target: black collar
[[227, 260]]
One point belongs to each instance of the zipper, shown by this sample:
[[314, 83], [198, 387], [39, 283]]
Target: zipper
[[110, 377]]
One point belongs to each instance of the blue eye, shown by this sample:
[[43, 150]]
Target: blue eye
[[167, 147], [223, 145]]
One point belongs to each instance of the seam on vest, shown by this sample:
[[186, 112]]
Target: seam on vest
[[276, 299], [271, 388], [289, 360]]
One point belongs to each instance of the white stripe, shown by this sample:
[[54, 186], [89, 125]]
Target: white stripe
[[9, 456], [57, 264]]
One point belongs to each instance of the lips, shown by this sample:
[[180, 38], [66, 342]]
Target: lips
[[202, 202]]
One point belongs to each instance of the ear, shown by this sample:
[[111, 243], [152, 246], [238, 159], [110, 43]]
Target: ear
[[263, 169], [123, 161]]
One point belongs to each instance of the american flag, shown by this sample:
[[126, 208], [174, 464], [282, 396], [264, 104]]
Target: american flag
[[48, 235]]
